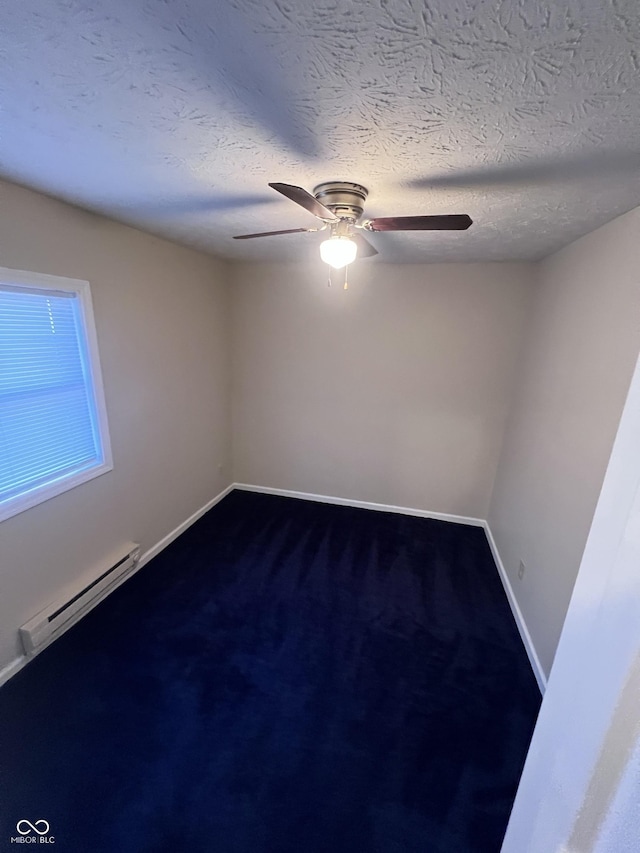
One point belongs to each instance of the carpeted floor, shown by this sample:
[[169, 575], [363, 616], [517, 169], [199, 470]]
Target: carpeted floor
[[286, 677]]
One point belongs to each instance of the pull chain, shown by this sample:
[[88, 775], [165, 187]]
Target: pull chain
[[346, 281]]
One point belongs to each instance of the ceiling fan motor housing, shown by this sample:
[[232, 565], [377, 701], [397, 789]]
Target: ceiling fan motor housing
[[344, 199]]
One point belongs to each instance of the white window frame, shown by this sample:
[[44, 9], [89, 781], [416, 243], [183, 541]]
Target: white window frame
[[53, 284]]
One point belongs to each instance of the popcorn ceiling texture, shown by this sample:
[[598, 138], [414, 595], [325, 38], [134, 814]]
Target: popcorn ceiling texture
[[174, 114]]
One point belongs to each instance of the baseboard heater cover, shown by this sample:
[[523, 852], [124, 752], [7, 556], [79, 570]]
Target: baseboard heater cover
[[61, 614]]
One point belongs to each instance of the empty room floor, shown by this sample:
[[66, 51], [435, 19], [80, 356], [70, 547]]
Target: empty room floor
[[286, 677]]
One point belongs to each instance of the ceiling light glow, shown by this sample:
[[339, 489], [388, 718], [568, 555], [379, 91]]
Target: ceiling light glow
[[338, 252]]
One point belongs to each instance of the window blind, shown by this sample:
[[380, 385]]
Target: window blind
[[48, 422]]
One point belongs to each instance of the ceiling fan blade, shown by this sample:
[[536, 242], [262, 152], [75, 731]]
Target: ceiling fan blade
[[274, 233], [452, 222], [365, 249], [306, 200]]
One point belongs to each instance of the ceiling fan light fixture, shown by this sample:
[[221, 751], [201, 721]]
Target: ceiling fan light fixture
[[338, 252]]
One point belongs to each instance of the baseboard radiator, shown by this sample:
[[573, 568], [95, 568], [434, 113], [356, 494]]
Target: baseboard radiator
[[61, 614]]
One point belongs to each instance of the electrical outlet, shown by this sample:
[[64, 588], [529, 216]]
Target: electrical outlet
[[521, 570]]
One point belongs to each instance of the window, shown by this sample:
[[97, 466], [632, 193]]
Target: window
[[53, 427]]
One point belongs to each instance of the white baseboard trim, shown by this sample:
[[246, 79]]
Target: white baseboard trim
[[169, 538], [17, 664], [12, 668], [330, 499], [534, 660]]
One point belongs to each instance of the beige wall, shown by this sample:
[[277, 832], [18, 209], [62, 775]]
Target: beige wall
[[395, 391], [161, 314], [582, 343]]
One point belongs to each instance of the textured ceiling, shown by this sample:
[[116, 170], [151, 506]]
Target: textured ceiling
[[174, 114]]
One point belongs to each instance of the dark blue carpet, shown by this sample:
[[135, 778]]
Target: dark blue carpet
[[286, 677]]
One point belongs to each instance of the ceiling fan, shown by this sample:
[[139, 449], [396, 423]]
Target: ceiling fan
[[339, 205]]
